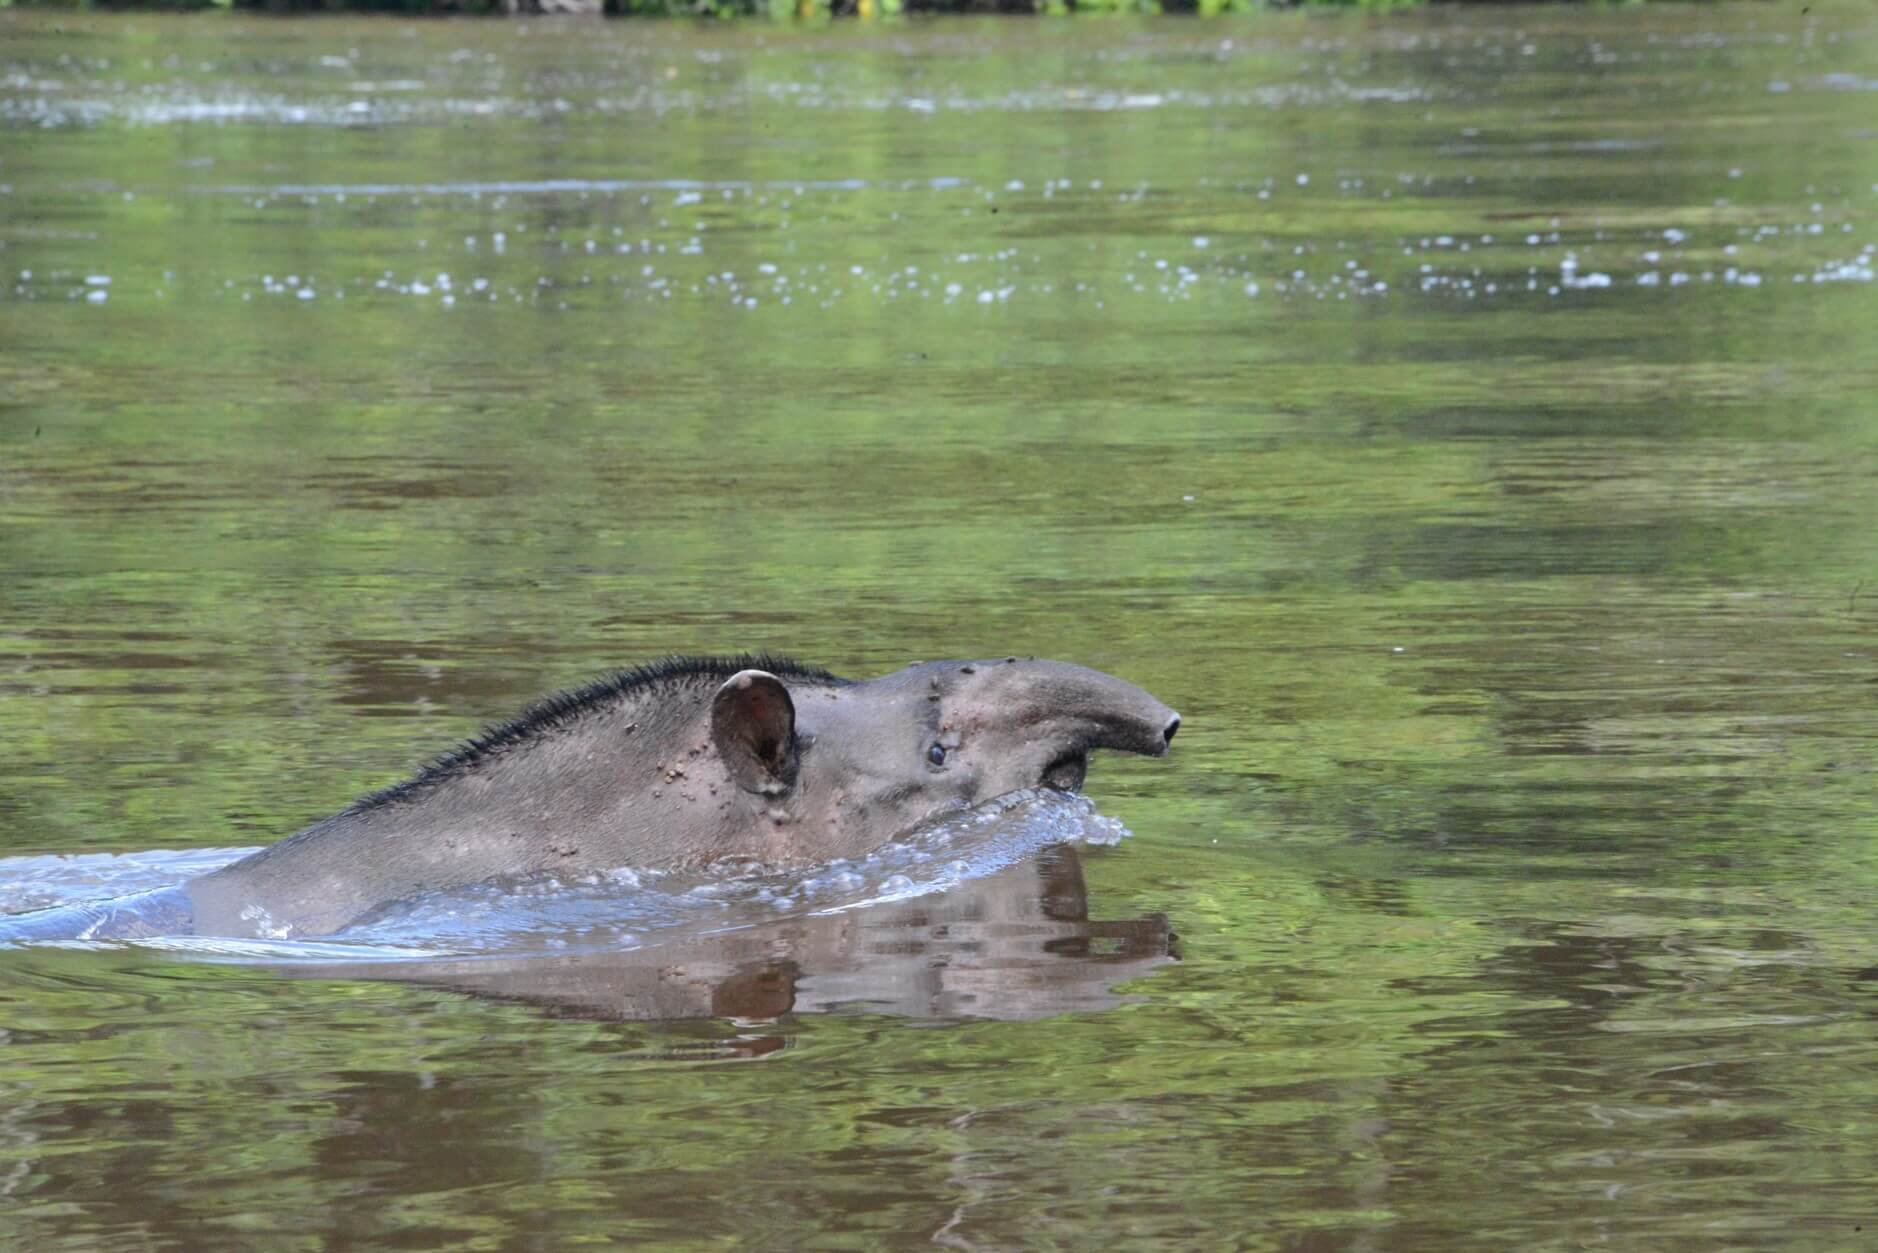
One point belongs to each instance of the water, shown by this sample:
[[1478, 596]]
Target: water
[[1464, 419], [621, 908]]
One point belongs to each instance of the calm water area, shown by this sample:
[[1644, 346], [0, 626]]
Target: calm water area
[[1467, 420]]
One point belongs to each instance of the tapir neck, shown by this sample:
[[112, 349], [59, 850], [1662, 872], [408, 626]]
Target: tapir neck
[[614, 789]]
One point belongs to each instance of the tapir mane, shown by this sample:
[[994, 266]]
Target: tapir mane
[[553, 713]]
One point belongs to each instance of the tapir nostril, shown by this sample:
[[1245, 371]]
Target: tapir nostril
[[1173, 725]]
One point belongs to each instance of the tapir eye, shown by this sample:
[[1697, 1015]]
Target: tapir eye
[[936, 754]]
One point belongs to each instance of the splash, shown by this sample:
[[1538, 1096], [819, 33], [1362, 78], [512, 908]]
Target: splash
[[49, 882], [623, 908]]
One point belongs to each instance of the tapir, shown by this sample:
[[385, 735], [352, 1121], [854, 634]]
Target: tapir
[[677, 764]]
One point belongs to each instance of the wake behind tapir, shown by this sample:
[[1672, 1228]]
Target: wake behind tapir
[[677, 764]]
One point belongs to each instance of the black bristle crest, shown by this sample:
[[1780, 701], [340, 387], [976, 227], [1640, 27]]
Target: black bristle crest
[[551, 713]]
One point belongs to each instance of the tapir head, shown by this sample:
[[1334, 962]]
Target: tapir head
[[849, 766]]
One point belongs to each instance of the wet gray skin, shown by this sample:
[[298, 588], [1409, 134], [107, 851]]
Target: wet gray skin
[[688, 762]]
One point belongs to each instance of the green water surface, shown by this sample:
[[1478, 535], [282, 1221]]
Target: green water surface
[[1466, 420]]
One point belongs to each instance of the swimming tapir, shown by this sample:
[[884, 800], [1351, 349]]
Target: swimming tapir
[[680, 763]]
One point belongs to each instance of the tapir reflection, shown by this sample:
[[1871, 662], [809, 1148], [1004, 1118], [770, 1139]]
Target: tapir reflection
[[1015, 944]]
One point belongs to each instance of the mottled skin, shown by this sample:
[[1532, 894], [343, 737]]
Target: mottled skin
[[688, 762]]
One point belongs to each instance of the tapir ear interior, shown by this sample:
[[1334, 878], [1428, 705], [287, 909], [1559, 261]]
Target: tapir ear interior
[[753, 722]]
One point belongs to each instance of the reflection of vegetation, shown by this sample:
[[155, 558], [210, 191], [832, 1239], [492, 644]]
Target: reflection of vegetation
[[1570, 893], [264, 553], [728, 8]]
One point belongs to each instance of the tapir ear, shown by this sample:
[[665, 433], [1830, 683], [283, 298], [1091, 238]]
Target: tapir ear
[[753, 722]]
